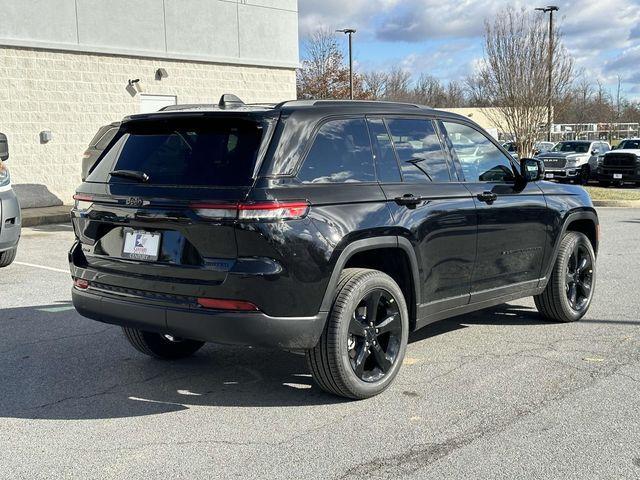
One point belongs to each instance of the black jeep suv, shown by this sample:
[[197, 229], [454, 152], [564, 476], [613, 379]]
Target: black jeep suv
[[330, 227]]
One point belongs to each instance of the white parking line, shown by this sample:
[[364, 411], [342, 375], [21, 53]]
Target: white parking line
[[42, 267]]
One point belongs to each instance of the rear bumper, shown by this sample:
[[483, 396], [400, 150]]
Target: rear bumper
[[237, 328], [10, 220]]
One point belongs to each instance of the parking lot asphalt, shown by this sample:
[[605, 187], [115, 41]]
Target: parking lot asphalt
[[497, 394]]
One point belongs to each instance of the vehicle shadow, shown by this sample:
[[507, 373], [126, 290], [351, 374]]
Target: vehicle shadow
[[505, 314], [55, 364]]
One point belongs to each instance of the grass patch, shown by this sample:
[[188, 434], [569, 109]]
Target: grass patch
[[599, 193]]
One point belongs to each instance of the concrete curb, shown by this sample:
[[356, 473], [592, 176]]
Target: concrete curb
[[33, 217], [617, 203]]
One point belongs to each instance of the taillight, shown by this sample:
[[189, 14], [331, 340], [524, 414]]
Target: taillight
[[272, 210], [216, 211], [261, 211], [221, 304], [82, 201], [86, 154], [81, 283]]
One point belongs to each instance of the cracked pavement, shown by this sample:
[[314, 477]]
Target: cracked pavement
[[495, 394]]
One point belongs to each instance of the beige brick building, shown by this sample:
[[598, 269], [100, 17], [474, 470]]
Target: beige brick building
[[71, 89]]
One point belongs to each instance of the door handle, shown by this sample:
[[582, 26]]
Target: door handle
[[408, 200], [488, 197]]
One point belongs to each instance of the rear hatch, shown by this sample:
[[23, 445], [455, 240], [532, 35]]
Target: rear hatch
[[139, 212]]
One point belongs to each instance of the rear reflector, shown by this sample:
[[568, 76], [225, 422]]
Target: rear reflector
[[81, 283], [262, 211], [220, 304]]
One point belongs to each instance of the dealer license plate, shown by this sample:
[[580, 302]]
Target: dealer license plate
[[141, 246], [548, 175], [617, 176]]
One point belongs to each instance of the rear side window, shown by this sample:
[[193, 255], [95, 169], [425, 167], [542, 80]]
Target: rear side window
[[419, 150], [386, 163], [102, 143], [197, 152], [341, 153]]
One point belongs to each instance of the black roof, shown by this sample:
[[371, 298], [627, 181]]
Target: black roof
[[319, 106]]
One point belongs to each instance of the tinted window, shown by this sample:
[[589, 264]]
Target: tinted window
[[630, 144], [386, 163], [106, 138], [185, 152], [480, 159], [341, 152], [577, 147], [419, 150]]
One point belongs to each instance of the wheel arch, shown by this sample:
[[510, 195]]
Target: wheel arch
[[392, 255], [583, 221]]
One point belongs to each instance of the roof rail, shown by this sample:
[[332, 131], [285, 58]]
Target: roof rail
[[334, 102], [187, 106], [372, 103]]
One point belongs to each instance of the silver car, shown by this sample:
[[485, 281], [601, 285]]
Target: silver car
[[9, 210]]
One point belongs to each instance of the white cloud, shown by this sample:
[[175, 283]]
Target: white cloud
[[316, 14], [603, 36]]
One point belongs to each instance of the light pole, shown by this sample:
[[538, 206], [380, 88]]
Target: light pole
[[350, 32], [550, 9]]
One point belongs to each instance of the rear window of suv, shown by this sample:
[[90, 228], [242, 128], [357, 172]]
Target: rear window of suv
[[196, 152]]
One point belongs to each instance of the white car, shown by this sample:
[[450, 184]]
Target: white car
[[511, 148]]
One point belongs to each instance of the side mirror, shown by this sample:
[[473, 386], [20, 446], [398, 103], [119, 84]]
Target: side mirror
[[595, 151], [532, 169], [4, 147]]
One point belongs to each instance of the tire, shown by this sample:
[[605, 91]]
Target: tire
[[556, 303], [159, 346], [7, 257], [376, 351], [585, 174], [604, 183]]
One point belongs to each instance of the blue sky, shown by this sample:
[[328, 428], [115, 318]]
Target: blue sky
[[444, 38]]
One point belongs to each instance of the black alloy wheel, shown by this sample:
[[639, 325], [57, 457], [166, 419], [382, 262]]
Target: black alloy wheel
[[579, 278], [375, 334], [365, 338], [569, 291]]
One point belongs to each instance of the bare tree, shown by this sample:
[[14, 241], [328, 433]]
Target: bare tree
[[429, 91], [398, 85], [455, 95], [374, 84], [513, 76], [476, 92], [323, 73]]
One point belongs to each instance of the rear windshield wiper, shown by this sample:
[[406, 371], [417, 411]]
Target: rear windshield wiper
[[132, 174]]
